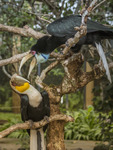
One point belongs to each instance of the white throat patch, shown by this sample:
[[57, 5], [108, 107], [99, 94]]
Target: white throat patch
[[34, 95]]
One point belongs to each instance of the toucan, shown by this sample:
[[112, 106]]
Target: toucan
[[34, 106], [60, 31]]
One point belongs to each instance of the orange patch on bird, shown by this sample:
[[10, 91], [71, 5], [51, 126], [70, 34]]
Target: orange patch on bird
[[23, 87]]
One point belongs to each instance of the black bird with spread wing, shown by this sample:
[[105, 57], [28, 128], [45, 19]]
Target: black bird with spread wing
[[34, 107], [61, 30]]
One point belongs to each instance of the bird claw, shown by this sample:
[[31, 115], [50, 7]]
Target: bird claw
[[46, 118], [70, 41], [30, 123], [61, 52], [67, 43]]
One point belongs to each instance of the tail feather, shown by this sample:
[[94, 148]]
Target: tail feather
[[40, 139], [37, 139], [33, 139], [104, 61]]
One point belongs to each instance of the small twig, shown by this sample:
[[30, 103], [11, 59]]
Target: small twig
[[39, 124], [98, 5], [44, 19], [4, 70], [87, 12], [45, 71], [6, 73], [39, 80]]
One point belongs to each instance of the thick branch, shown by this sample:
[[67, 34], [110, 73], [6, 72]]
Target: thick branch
[[13, 59], [26, 31], [39, 124], [75, 77]]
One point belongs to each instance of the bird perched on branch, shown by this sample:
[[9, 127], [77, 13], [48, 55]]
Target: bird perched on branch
[[61, 30], [34, 107]]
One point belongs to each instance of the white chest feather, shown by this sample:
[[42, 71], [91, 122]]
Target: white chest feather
[[34, 95]]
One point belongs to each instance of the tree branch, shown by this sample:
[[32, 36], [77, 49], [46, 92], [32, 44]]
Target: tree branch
[[39, 124], [13, 59], [99, 4], [45, 71], [75, 77], [26, 31]]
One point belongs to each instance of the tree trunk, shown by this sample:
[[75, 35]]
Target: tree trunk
[[15, 97], [15, 102], [89, 88], [55, 134]]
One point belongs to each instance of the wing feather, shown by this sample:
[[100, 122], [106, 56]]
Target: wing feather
[[65, 26]]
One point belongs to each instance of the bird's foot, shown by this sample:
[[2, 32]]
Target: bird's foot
[[70, 41], [30, 123], [46, 118], [67, 43], [61, 52]]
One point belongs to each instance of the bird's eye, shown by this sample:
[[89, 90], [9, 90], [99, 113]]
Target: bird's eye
[[33, 52]]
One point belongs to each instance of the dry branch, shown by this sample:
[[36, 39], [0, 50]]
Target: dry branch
[[45, 71], [13, 59], [75, 77], [39, 124], [26, 31]]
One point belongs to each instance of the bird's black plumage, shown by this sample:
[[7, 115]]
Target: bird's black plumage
[[62, 29], [34, 107], [38, 113], [29, 112]]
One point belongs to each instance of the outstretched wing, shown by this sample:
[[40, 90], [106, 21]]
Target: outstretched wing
[[65, 26]]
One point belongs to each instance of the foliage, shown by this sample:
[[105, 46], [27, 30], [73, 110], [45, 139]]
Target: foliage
[[75, 101], [13, 119], [107, 126], [5, 92], [103, 100], [87, 125], [6, 116]]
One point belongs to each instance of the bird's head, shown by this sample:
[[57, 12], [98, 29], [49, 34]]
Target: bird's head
[[37, 52], [23, 87], [19, 84]]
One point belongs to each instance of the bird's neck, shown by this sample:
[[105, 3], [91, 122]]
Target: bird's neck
[[47, 44], [35, 97], [52, 43]]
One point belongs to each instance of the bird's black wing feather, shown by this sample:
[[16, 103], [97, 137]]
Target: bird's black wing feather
[[24, 107], [95, 26], [65, 26]]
